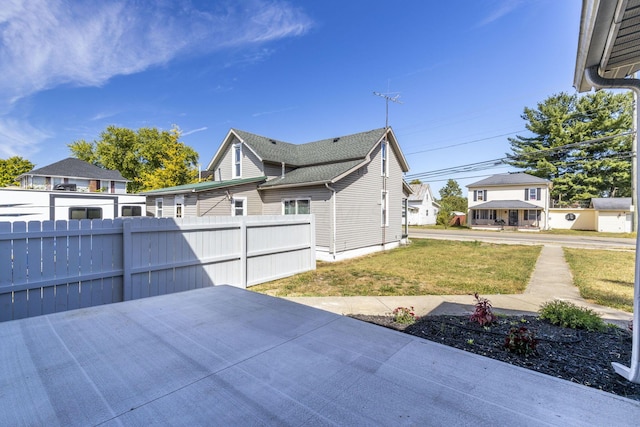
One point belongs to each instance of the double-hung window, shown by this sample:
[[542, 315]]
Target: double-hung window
[[384, 208], [384, 155], [159, 208], [533, 194], [296, 206], [237, 160], [479, 195], [239, 206]]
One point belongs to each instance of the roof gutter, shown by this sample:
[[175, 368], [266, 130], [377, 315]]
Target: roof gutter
[[631, 373]]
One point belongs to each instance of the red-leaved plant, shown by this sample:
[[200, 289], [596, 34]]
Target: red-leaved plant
[[521, 341], [483, 313]]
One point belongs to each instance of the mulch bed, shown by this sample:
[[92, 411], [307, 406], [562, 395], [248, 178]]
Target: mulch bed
[[574, 355]]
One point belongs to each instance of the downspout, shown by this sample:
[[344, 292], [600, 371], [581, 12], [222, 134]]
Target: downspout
[[333, 219], [631, 373]]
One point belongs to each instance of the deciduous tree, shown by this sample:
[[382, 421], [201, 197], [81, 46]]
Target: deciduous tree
[[11, 168], [149, 158]]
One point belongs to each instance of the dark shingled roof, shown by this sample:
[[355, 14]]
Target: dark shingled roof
[[311, 174], [76, 168], [519, 178], [338, 149]]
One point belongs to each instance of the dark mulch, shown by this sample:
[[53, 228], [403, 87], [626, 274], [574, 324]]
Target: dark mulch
[[574, 355]]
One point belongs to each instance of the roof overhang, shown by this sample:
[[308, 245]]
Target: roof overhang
[[506, 204], [609, 40], [202, 186]]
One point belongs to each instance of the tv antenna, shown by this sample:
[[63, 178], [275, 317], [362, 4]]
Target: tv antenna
[[388, 97]]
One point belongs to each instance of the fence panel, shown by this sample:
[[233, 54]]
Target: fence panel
[[47, 267]]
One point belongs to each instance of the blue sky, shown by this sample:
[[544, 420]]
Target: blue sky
[[297, 71]]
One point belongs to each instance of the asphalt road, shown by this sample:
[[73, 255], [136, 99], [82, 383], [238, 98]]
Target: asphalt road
[[525, 238]]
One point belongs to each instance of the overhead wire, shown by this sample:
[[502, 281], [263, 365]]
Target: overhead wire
[[494, 163]]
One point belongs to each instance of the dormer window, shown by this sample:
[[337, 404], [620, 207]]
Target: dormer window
[[237, 160]]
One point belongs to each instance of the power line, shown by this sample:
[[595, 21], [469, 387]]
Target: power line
[[489, 164]]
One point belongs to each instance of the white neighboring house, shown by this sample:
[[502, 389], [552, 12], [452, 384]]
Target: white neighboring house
[[423, 209], [511, 200], [69, 189]]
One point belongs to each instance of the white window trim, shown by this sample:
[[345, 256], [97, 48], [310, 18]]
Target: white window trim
[[244, 205], [296, 199], [384, 208], [178, 201], [384, 158], [234, 147], [159, 207]]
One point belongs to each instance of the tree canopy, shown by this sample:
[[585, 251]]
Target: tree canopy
[[451, 200], [574, 145], [11, 168], [149, 158]]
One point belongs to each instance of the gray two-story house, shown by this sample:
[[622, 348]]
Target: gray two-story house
[[352, 184]]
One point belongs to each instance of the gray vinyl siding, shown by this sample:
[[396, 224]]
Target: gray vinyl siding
[[396, 194], [190, 205], [320, 207], [216, 202], [272, 170], [251, 165], [359, 205]]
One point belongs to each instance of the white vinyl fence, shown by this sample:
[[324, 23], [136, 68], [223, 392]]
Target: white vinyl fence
[[48, 267]]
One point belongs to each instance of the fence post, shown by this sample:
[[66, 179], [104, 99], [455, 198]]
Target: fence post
[[243, 252], [126, 260]]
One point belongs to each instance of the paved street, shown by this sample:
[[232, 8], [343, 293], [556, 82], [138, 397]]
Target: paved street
[[526, 238]]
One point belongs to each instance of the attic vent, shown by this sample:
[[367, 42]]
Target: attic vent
[[272, 141], [336, 139]]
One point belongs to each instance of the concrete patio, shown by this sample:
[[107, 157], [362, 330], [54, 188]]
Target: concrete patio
[[226, 356]]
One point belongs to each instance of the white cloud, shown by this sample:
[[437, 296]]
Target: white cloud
[[194, 131], [46, 43], [19, 138], [505, 7]]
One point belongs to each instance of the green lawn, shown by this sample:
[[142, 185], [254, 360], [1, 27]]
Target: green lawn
[[603, 277], [425, 267]]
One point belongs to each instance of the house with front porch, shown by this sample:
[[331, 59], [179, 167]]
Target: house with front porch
[[353, 185], [509, 201]]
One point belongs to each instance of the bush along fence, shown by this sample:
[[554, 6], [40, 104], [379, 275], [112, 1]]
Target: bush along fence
[[48, 267]]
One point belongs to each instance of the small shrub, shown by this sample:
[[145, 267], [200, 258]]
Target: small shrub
[[521, 341], [483, 313], [404, 315], [569, 315]]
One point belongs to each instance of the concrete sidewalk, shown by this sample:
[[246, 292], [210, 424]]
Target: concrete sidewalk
[[551, 279]]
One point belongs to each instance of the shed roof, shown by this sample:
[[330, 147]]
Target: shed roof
[[611, 203], [518, 178], [76, 168]]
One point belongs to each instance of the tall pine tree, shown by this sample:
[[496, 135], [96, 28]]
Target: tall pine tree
[[562, 148]]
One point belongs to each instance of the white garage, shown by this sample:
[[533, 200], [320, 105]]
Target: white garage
[[613, 215]]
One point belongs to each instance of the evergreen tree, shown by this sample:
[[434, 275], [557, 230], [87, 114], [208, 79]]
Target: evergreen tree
[[574, 146]]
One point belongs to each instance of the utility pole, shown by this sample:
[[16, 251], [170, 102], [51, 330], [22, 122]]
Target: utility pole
[[388, 97], [634, 162]]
